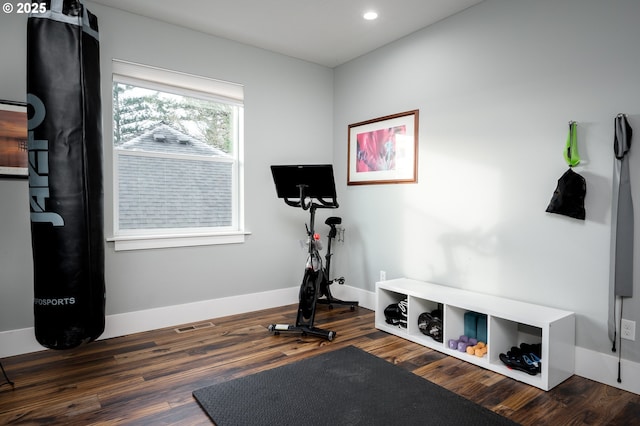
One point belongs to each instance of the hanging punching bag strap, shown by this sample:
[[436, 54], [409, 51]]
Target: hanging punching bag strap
[[571, 155]]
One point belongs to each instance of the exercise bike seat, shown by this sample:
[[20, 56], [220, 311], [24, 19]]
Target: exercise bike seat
[[333, 220]]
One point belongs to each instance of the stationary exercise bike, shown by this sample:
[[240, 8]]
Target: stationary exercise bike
[[311, 187]]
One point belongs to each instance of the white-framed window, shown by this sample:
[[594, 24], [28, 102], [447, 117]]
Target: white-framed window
[[177, 159]]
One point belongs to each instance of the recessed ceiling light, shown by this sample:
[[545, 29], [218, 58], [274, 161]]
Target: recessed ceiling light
[[370, 16]]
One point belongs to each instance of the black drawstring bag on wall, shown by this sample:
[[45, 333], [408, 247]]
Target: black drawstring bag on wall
[[568, 197], [65, 175]]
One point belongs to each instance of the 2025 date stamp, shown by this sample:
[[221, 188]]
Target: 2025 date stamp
[[22, 8]]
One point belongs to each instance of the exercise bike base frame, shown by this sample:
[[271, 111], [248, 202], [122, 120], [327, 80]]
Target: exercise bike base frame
[[352, 304], [306, 310], [304, 330], [328, 298]]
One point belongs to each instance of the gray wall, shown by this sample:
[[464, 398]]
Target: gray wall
[[16, 277], [288, 113], [496, 86]]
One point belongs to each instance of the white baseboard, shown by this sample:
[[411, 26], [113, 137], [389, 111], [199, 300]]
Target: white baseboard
[[592, 365], [169, 316], [18, 342], [603, 368], [22, 341], [366, 299]]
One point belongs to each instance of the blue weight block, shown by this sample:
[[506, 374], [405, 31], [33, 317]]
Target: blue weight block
[[481, 328], [471, 324]]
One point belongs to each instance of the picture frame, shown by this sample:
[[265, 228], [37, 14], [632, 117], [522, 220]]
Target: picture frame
[[13, 140], [384, 150]]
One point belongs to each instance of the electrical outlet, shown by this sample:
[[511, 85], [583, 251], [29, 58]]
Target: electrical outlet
[[383, 275], [628, 330]]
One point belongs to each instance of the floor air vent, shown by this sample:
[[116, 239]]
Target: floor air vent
[[194, 327]]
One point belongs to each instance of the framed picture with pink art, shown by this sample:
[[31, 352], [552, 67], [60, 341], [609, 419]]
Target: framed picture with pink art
[[384, 150], [13, 139]]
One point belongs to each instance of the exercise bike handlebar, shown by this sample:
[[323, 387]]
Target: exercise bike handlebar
[[307, 202], [320, 203]]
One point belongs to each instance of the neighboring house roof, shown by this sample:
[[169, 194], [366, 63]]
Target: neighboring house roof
[[178, 192], [164, 138]]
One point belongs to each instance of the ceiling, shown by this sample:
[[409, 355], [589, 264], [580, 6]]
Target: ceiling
[[326, 32]]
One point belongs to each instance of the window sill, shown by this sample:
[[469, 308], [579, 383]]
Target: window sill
[[145, 242]]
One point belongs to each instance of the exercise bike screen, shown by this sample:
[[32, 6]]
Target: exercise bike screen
[[317, 178]]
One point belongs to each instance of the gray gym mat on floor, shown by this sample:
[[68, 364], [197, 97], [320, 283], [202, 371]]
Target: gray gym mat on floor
[[345, 387]]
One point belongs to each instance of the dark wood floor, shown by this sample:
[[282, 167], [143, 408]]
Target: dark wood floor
[[147, 378]]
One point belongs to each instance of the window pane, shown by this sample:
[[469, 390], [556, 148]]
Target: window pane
[[158, 192], [138, 110], [175, 159]]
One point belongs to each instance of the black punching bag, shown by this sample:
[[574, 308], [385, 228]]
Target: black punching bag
[[65, 174]]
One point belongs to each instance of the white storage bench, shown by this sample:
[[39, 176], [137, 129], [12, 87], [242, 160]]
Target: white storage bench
[[509, 323]]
